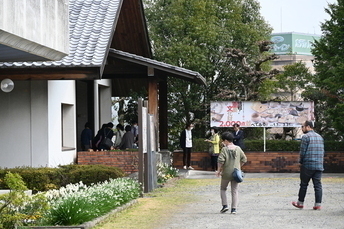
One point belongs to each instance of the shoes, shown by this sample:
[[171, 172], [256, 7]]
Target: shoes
[[224, 209], [316, 207], [190, 168], [297, 205], [233, 211], [184, 167]]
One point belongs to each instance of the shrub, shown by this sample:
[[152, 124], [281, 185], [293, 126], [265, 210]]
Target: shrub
[[89, 174], [79, 203], [18, 208], [36, 179], [165, 172], [44, 178], [199, 145]]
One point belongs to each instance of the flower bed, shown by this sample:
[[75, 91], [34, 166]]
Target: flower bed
[[78, 203]]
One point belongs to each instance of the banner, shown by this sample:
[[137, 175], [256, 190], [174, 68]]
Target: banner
[[260, 114]]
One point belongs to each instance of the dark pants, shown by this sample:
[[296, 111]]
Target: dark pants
[[214, 162], [187, 156], [306, 175]]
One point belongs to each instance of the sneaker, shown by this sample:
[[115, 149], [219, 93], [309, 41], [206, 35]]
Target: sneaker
[[224, 209], [190, 168], [233, 211], [297, 205], [316, 207], [184, 167]]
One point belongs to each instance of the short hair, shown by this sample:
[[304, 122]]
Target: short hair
[[236, 125], [120, 126], [127, 128], [110, 124], [188, 124], [215, 129], [87, 125], [309, 123], [227, 136]]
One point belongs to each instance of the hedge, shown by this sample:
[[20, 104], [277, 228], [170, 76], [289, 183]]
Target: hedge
[[44, 178], [199, 145]]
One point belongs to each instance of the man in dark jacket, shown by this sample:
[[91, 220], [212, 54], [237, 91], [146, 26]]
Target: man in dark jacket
[[86, 137], [238, 136]]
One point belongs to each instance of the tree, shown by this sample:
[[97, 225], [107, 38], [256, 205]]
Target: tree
[[250, 77], [194, 34], [329, 65], [292, 80]]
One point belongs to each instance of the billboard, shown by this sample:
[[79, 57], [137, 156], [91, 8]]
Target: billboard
[[260, 114], [293, 43]]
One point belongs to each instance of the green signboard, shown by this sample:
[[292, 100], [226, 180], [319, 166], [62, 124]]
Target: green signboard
[[293, 43]]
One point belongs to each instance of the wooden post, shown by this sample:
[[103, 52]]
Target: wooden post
[[163, 120]]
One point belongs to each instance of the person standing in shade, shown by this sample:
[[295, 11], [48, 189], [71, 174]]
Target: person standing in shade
[[312, 165], [186, 144], [86, 137], [127, 139], [106, 132], [214, 148], [238, 136], [119, 134], [231, 157]]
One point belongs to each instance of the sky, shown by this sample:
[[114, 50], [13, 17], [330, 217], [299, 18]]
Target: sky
[[302, 16]]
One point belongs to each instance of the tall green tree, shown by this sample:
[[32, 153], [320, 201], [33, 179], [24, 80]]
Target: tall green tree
[[194, 34], [329, 65], [292, 80]]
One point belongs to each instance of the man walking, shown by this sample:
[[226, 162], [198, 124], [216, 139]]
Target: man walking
[[312, 164]]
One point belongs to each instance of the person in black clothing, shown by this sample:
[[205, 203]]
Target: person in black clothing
[[105, 131], [97, 138], [86, 137], [238, 136]]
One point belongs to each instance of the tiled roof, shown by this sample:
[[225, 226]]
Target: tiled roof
[[186, 73], [91, 24]]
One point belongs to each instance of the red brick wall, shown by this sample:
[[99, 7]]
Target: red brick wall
[[261, 162], [128, 161]]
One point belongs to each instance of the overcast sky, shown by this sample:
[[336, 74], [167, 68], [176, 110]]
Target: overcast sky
[[303, 16]]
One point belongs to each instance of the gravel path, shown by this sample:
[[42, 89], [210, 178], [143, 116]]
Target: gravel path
[[264, 202]]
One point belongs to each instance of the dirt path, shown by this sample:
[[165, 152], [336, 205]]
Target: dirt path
[[264, 202]]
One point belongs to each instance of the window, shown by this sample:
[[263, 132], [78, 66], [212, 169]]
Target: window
[[67, 128]]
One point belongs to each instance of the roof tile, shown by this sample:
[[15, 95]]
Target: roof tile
[[90, 22]]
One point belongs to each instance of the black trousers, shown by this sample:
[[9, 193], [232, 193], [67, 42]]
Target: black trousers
[[306, 175], [187, 156], [214, 162]]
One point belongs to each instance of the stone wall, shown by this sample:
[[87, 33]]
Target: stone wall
[[262, 162]]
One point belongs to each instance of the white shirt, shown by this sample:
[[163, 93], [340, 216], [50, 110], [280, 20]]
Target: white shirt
[[188, 140]]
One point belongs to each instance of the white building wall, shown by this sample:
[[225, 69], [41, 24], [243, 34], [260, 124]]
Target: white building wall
[[39, 27], [23, 125], [37, 117], [102, 104], [61, 93]]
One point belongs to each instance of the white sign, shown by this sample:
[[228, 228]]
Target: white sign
[[260, 114]]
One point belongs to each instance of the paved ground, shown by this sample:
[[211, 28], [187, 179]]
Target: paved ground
[[264, 202]]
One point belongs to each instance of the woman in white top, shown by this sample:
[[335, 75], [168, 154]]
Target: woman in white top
[[186, 145]]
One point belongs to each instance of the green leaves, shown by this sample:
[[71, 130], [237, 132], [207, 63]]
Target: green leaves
[[193, 34], [329, 65]]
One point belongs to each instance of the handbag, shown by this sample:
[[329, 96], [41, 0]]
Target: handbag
[[238, 175], [107, 141]]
